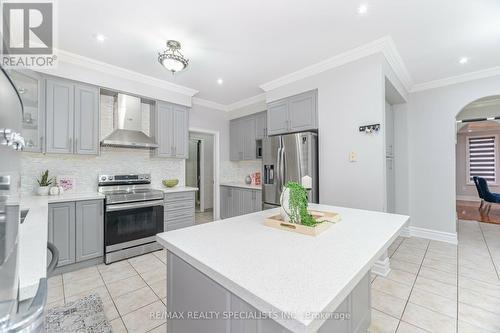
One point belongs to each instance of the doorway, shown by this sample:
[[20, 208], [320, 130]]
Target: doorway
[[200, 174], [478, 155]]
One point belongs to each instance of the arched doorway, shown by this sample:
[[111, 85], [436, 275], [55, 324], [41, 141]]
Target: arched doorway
[[478, 154]]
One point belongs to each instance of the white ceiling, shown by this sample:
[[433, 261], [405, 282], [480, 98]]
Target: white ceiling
[[248, 43]]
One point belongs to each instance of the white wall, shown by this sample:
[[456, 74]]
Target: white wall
[[348, 96], [431, 142], [249, 109]]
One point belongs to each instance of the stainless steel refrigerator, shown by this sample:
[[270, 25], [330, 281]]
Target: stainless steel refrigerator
[[15, 316], [288, 158]]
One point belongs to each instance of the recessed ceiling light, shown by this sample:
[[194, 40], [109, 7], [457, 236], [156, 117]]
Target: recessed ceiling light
[[100, 37], [362, 9], [220, 81], [463, 60]]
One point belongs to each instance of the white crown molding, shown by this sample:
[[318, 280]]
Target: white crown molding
[[246, 102], [471, 76], [384, 45], [209, 104], [121, 72]]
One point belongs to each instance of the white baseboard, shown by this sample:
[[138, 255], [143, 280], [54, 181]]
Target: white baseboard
[[468, 198], [382, 267], [448, 237], [405, 232]]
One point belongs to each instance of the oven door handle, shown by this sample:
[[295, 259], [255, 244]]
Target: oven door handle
[[117, 207]]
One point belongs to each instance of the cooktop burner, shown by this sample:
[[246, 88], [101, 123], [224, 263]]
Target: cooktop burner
[[128, 188]]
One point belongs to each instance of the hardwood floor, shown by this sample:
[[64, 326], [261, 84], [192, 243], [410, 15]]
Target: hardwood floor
[[469, 210]]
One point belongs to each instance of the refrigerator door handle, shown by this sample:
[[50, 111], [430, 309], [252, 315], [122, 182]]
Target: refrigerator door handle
[[282, 168], [278, 166]]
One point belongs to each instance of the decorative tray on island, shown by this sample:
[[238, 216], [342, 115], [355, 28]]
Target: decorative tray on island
[[328, 218]]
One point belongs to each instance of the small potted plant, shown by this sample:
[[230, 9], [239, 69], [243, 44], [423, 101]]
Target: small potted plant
[[44, 183], [294, 205]]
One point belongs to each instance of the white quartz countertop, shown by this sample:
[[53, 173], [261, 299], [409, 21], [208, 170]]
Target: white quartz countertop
[[179, 189], [286, 272], [33, 238], [241, 185]]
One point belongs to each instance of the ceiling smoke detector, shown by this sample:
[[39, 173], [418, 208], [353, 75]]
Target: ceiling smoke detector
[[172, 59]]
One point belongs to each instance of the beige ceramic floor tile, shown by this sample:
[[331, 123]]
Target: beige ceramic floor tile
[[134, 300], [140, 321], [160, 288], [428, 320], [408, 328], [118, 326], [464, 327], [440, 265], [146, 264], [55, 294], [79, 286], [387, 304], [117, 274], [382, 323], [393, 288], [404, 266], [401, 276], [408, 258], [114, 266], [436, 287], [159, 329], [471, 273], [479, 286], [479, 317], [155, 275], [124, 286], [54, 281], [419, 243], [85, 273], [110, 310], [440, 276], [434, 302], [101, 291], [485, 302]]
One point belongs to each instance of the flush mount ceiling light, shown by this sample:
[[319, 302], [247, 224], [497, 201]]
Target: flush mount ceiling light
[[220, 81], [463, 60], [362, 9], [100, 37], [172, 59]]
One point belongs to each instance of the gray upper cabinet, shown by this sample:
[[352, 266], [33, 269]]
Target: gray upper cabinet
[[181, 131], [171, 130], [86, 120], [31, 88], [277, 117], [260, 125], [302, 112], [243, 135], [72, 113], [61, 231], [60, 116], [89, 229], [293, 114]]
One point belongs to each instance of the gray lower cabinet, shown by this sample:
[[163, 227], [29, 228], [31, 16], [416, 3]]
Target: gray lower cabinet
[[89, 229], [77, 230], [62, 230], [293, 114], [237, 201], [179, 210], [72, 118], [191, 291], [170, 125]]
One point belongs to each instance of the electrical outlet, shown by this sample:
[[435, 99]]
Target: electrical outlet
[[353, 157]]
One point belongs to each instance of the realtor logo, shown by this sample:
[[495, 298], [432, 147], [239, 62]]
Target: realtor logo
[[28, 34]]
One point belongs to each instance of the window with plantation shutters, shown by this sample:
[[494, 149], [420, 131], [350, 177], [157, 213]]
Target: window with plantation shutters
[[482, 157]]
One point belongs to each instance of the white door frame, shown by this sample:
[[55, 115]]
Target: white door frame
[[216, 193]]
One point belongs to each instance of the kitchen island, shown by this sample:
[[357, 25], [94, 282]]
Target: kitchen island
[[238, 275]]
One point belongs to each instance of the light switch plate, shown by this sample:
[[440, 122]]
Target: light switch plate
[[353, 157]]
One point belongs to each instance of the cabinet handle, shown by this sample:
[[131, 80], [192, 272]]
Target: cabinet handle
[[70, 144], [76, 145]]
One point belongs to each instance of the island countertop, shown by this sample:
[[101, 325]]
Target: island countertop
[[286, 272]]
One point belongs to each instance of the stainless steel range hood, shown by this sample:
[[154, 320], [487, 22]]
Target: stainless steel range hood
[[127, 125]]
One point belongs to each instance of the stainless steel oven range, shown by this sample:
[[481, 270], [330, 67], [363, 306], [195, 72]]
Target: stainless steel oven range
[[133, 216]]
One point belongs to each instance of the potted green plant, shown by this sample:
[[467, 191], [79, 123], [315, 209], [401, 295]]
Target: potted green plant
[[44, 183], [294, 204]]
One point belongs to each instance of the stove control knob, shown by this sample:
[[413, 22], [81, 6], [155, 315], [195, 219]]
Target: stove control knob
[[147, 177], [103, 178], [110, 177]]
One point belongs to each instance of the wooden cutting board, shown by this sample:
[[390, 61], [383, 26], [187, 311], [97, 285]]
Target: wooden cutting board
[[276, 221]]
